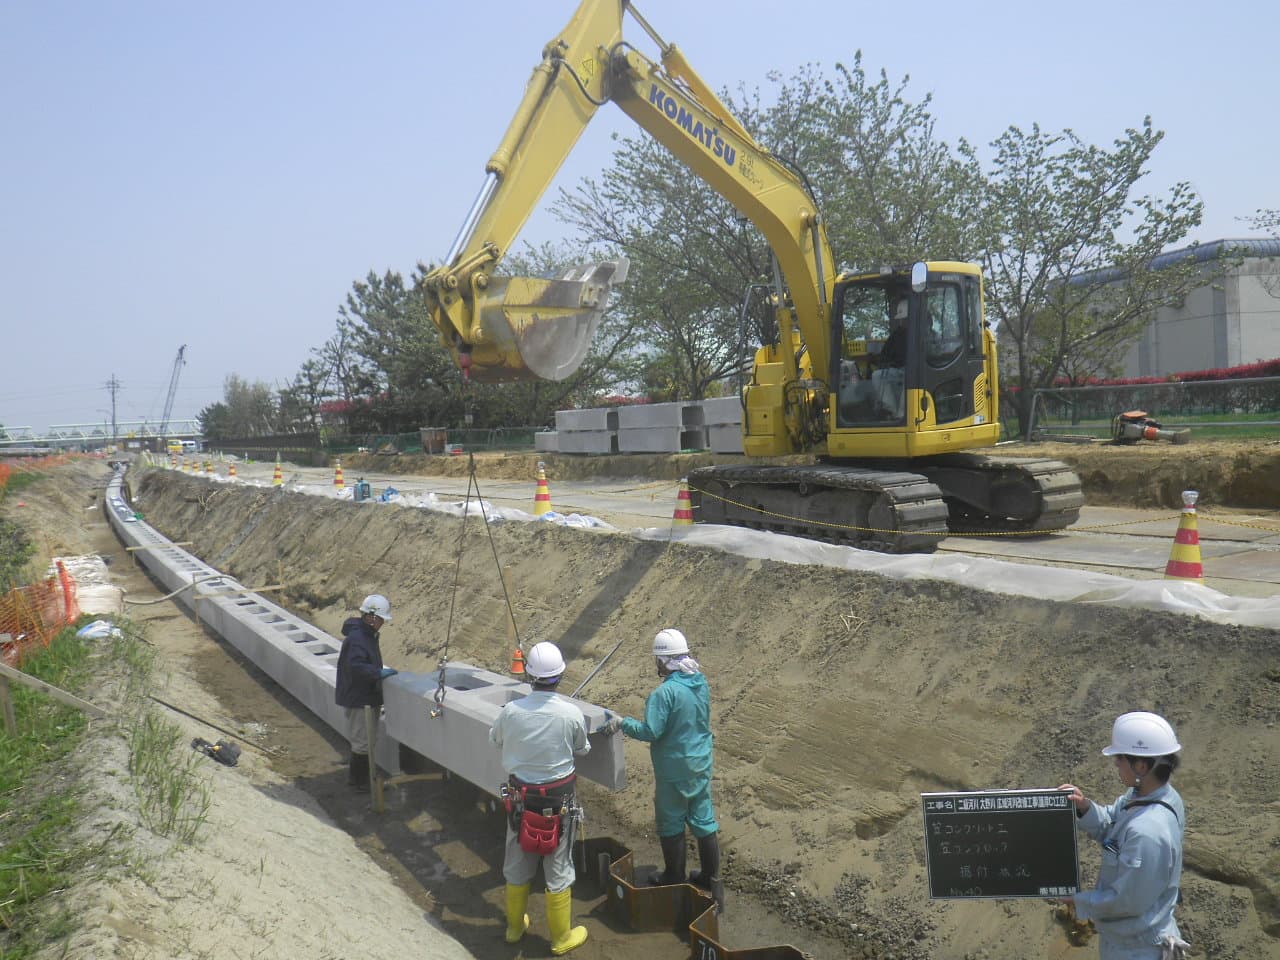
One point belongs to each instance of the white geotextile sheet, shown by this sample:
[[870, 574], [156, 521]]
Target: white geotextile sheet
[[455, 508], [984, 573]]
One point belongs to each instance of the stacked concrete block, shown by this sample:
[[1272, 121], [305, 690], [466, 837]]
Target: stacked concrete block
[[587, 431], [545, 441], [661, 428], [723, 416]]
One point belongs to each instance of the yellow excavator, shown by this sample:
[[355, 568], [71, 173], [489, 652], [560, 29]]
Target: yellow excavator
[[885, 378]]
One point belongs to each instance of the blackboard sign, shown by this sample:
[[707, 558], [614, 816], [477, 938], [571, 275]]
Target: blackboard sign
[[1000, 843]]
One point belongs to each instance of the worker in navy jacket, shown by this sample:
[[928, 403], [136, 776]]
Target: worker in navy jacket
[[359, 682]]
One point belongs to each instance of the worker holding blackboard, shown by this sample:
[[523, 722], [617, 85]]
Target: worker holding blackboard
[[1141, 836]]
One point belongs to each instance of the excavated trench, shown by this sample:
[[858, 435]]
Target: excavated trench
[[838, 698]]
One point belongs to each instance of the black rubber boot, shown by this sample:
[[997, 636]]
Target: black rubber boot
[[358, 773], [673, 862], [709, 876]]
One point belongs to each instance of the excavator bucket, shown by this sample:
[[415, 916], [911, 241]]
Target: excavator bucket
[[536, 328]]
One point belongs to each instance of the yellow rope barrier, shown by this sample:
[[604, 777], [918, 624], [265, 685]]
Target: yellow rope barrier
[[979, 534]]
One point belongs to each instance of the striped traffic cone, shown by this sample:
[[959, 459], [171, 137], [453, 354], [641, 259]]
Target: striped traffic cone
[[1184, 559], [208, 466], [683, 517], [338, 482], [542, 498], [277, 478], [231, 470]]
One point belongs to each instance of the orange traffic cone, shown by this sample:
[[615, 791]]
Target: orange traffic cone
[[683, 517], [1184, 559], [338, 482], [542, 497], [517, 662], [173, 462], [277, 479], [231, 470]]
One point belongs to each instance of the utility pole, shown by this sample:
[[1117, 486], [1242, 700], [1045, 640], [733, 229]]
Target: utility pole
[[113, 385]]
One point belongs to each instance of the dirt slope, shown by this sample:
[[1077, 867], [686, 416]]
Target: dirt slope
[[838, 698], [248, 887]]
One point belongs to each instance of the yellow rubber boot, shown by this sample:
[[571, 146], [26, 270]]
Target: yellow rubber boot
[[559, 918], [517, 919]]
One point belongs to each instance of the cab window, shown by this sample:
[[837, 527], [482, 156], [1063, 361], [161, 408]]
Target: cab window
[[945, 326]]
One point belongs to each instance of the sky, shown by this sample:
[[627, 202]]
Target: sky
[[218, 175]]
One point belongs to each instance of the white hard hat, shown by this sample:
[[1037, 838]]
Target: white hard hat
[[669, 643], [544, 661], [378, 605], [1142, 734]]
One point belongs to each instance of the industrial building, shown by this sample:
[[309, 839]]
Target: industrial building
[[1231, 321]]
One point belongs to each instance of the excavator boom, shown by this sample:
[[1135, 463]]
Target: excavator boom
[[887, 416], [500, 329]]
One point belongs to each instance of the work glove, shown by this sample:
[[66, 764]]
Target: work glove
[[387, 672], [612, 724]]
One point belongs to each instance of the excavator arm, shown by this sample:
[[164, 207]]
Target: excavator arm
[[509, 328]]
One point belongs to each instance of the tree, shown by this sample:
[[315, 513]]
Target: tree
[[251, 407], [690, 260], [215, 422], [891, 191], [888, 189], [1069, 253], [1268, 220], [399, 380]]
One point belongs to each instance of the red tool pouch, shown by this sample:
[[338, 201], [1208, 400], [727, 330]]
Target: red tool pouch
[[539, 834]]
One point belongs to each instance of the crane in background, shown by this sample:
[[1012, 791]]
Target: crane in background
[[178, 361]]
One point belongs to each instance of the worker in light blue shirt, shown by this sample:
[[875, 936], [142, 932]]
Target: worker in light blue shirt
[[1141, 835]]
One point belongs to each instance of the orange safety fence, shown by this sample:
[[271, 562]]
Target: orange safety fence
[[33, 615], [39, 465]]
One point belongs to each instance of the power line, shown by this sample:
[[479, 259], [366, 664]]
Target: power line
[[113, 386]]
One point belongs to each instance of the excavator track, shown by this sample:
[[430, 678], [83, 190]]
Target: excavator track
[[891, 511], [883, 510], [1005, 494]]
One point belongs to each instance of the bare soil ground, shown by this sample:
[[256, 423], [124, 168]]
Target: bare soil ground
[[838, 698], [1243, 474]]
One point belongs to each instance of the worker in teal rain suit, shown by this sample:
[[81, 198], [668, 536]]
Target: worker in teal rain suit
[[677, 722]]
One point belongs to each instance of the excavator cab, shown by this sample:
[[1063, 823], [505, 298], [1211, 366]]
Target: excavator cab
[[910, 360]]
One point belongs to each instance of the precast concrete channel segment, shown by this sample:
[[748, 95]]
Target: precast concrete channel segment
[[445, 723]]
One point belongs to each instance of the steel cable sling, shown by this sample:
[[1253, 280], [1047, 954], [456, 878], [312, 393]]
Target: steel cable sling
[[472, 482]]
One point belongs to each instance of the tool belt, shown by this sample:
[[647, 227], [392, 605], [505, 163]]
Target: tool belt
[[536, 812]]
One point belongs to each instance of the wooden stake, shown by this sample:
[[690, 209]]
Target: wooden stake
[[375, 782], [6, 700], [61, 695]]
